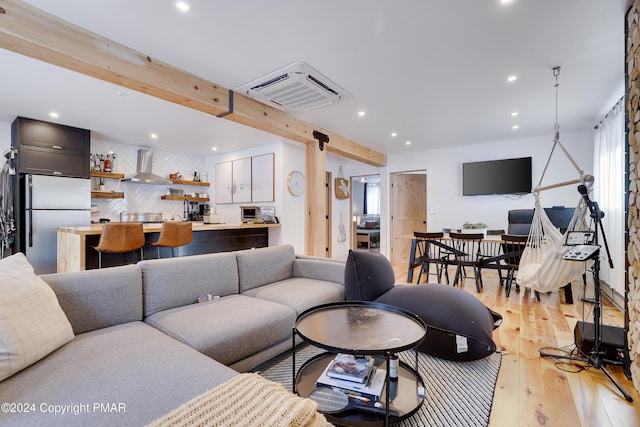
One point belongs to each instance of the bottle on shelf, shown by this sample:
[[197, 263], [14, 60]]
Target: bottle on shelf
[[107, 164]]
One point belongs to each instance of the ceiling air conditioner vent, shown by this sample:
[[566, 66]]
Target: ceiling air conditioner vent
[[294, 88]]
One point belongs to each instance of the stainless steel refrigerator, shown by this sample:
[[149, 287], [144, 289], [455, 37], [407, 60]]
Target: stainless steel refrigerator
[[49, 202]]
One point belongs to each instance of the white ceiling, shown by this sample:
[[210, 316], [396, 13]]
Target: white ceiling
[[433, 71]]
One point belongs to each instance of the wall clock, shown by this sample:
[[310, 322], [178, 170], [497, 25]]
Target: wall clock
[[295, 183]]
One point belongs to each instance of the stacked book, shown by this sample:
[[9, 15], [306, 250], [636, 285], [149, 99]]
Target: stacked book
[[353, 375]]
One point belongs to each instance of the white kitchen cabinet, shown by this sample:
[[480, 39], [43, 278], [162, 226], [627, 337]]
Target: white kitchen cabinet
[[248, 180], [262, 178]]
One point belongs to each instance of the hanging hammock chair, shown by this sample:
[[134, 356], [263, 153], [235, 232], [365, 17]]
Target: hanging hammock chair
[[542, 267]]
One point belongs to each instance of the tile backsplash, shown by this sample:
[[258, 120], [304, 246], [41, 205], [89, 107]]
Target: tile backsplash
[[144, 197]]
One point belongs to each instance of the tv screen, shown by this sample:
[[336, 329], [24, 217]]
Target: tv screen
[[508, 176]]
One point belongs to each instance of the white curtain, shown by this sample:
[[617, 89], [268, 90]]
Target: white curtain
[[373, 199], [608, 191]]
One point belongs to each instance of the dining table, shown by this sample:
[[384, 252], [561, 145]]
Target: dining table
[[492, 257]]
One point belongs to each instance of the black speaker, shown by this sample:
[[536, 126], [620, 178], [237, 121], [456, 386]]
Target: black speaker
[[611, 341]]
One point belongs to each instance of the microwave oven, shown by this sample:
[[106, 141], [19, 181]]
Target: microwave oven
[[249, 214]]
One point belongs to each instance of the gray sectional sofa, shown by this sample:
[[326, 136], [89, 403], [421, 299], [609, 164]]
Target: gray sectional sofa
[[143, 345]]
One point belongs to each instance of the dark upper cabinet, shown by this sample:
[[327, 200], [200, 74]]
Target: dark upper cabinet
[[51, 149]]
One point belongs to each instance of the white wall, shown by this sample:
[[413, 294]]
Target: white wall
[[446, 206], [5, 136]]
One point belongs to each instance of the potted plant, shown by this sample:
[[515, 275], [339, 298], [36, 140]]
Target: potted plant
[[474, 227]]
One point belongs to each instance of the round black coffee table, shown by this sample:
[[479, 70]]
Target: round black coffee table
[[363, 328]]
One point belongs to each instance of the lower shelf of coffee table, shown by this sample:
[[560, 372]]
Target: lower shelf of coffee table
[[404, 392]]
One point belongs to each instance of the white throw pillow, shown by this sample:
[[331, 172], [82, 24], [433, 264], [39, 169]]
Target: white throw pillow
[[32, 324]]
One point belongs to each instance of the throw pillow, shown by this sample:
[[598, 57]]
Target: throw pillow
[[367, 275], [370, 225], [32, 324]]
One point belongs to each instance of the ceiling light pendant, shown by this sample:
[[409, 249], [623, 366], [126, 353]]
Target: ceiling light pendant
[[556, 126]]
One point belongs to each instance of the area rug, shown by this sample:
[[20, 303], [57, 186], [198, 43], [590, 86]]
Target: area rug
[[457, 393]]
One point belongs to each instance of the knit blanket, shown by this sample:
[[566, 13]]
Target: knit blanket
[[247, 400]]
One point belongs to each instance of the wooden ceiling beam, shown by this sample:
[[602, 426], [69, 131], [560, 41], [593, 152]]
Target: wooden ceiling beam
[[35, 33]]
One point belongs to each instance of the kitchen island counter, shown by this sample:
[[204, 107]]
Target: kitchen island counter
[[75, 250]]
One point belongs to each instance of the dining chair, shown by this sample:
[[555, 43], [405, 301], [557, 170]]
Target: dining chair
[[513, 247], [492, 256], [120, 237], [495, 232], [468, 254], [430, 249], [174, 234]]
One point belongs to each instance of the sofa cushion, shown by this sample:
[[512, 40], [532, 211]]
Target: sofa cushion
[[227, 329], [135, 371], [175, 282], [257, 267], [299, 293], [319, 268], [95, 299], [367, 275], [32, 324], [459, 326]]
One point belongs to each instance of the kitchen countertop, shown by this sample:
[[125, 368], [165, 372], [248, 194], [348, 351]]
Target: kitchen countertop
[[94, 229]]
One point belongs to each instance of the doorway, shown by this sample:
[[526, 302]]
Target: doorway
[[365, 212], [408, 210]]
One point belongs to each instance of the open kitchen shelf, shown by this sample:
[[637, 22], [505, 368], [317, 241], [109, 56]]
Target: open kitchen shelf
[[107, 175], [183, 182], [106, 195], [191, 199]]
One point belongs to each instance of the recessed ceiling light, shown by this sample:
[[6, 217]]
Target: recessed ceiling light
[[408, 143], [154, 136], [54, 115], [214, 148], [183, 6], [394, 134], [514, 114], [512, 78], [361, 113], [506, 1], [514, 127]]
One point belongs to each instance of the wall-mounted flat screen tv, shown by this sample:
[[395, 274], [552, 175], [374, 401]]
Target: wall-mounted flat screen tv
[[507, 176]]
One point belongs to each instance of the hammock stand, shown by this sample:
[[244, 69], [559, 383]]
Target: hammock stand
[[542, 267]]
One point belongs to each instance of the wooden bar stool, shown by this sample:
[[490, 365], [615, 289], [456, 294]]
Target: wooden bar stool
[[173, 235], [120, 237]]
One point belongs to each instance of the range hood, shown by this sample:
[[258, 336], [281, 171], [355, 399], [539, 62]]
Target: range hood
[[144, 174]]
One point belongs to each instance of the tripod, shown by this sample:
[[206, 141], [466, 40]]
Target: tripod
[[595, 355]]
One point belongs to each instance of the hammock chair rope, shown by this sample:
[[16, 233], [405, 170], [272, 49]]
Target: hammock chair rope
[[542, 267]]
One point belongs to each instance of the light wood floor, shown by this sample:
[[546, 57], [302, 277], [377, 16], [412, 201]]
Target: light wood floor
[[531, 390]]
